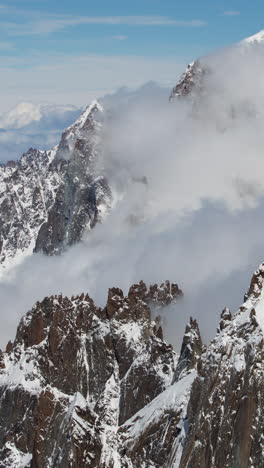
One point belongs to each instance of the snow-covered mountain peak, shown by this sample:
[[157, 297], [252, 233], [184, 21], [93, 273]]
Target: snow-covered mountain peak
[[256, 38], [93, 107], [192, 80], [49, 198], [88, 123]]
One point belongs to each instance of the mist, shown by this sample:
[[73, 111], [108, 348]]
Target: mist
[[188, 201]]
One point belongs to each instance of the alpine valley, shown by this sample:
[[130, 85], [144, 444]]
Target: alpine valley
[[99, 387]]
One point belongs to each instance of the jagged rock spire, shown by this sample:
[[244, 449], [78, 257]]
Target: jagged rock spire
[[191, 80], [226, 318], [256, 284], [191, 349], [165, 294]]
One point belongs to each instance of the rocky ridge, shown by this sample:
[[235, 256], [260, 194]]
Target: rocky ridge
[[191, 81], [75, 374], [84, 386], [225, 410], [49, 198]]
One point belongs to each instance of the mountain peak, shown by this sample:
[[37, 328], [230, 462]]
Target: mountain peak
[[94, 106], [191, 349], [59, 193], [192, 79], [256, 38], [87, 125]]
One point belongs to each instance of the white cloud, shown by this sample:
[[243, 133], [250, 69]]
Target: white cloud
[[120, 38], [200, 217], [231, 13], [55, 23], [6, 46], [65, 79]]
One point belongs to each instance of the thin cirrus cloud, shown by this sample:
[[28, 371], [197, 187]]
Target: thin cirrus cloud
[[6, 46], [120, 38], [50, 77], [231, 13], [53, 24]]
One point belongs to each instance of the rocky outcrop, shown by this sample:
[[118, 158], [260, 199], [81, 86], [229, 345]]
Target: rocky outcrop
[[191, 350], [256, 284], [84, 386], [155, 435], [49, 198], [164, 294], [83, 195], [75, 374], [212, 414], [225, 410], [191, 82], [27, 193]]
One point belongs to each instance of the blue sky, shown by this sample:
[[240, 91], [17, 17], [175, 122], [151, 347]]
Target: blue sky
[[70, 51]]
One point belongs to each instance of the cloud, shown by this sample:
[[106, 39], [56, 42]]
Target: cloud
[[56, 23], [120, 38], [64, 79], [6, 46], [198, 220], [31, 23], [231, 13]]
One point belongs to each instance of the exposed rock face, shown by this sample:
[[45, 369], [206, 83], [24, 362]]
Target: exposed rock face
[[74, 374], [203, 87], [82, 195], [82, 386], [212, 415], [225, 412], [191, 350], [155, 435], [191, 81], [256, 284], [164, 294], [49, 198], [27, 193]]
